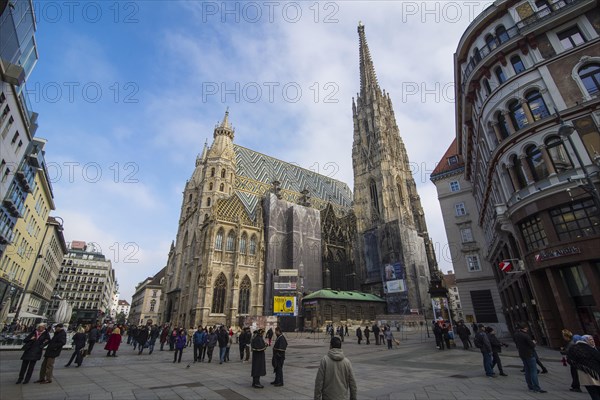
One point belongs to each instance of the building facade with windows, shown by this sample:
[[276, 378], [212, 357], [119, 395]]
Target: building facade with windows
[[527, 79], [473, 276], [87, 281], [454, 302], [145, 303], [123, 307]]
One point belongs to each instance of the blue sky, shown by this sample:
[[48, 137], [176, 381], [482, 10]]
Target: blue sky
[[128, 92]]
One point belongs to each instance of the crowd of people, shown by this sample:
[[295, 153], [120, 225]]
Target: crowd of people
[[335, 374]]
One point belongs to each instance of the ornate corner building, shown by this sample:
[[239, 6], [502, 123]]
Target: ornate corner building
[[246, 215], [528, 92]]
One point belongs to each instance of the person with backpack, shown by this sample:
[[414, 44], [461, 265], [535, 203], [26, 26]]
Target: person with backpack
[[496, 348], [482, 342]]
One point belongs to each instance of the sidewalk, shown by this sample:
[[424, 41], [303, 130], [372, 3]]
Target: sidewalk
[[414, 370]]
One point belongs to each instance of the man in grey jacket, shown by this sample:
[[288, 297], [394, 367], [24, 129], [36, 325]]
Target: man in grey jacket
[[335, 376]]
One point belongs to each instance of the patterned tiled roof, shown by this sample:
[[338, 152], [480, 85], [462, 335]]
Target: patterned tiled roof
[[257, 171]]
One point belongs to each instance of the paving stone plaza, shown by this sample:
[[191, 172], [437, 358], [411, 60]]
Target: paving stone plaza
[[414, 370]]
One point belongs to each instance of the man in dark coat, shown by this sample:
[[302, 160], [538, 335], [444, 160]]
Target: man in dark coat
[[464, 332], [366, 331], [92, 338], [437, 332], [482, 342], [142, 337], [34, 347], [375, 330], [526, 347], [53, 350], [259, 365], [279, 356], [244, 342], [359, 334], [223, 339]]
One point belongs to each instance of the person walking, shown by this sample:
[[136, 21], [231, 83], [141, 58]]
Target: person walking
[[366, 332], [437, 332], [180, 341], [335, 376], [269, 335], [389, 337], [482, 342], [375, 330], [223, 339], [164, 334], [279, 349], [259, 366], [211, 343], [359, 334], [172, 338], [568, 338], [496, 349], [55, 345], [113, 342], [586, 360], [198, 339], [92, 338], [242, 344], [79, 342], [463, 333], [33, 349], [228, 347], [526, 347], [154, 332], [142, 338]]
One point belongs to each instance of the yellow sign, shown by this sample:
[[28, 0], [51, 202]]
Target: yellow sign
[[284, 305]]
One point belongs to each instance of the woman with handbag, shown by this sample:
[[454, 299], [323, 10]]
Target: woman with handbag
[[33, 349], [79, 340]]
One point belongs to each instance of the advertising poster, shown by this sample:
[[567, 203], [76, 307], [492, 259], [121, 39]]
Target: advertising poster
[[284, 305]]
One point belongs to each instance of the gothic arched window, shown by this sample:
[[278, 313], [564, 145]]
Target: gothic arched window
[[210, 186], [244, 303], [219, 240], [230, 241], [212, 172], [208, 202], [219, 290], [253, 245], [374, 196], [223, 173], [243, 244], [222, 187]]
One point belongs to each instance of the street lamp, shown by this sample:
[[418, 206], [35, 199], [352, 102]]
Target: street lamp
[[565, 131]]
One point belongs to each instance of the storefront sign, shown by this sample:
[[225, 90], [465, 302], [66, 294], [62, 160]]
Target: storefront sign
[[284, 305], [548, 255]]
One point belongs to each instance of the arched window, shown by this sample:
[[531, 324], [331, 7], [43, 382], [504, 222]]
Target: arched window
[[502, 125], [518, 169], [230, 241], [536, 163], [590, 76], [219, 240], [190, 198], [486, 85], [245, 289], [208, 202], [500, 75], [517, 64], [501, 34], [253, 245], [536, 105], [374, 197], [243, 244], [476, 55], [517, 115], [212, 172], [490, 41], [210, 186], [558, 154], [219, 289], [223, 173], [222, 187]]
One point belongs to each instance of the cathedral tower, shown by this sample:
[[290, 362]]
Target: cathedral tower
[[395, 251]]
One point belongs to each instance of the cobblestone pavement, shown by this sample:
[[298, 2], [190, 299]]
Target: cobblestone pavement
[[413, 370]]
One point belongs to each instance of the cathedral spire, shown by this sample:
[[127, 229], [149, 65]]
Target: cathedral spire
[[368, 79], [225, 128]]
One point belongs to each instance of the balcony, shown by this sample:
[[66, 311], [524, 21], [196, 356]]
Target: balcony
[[556, 7]]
